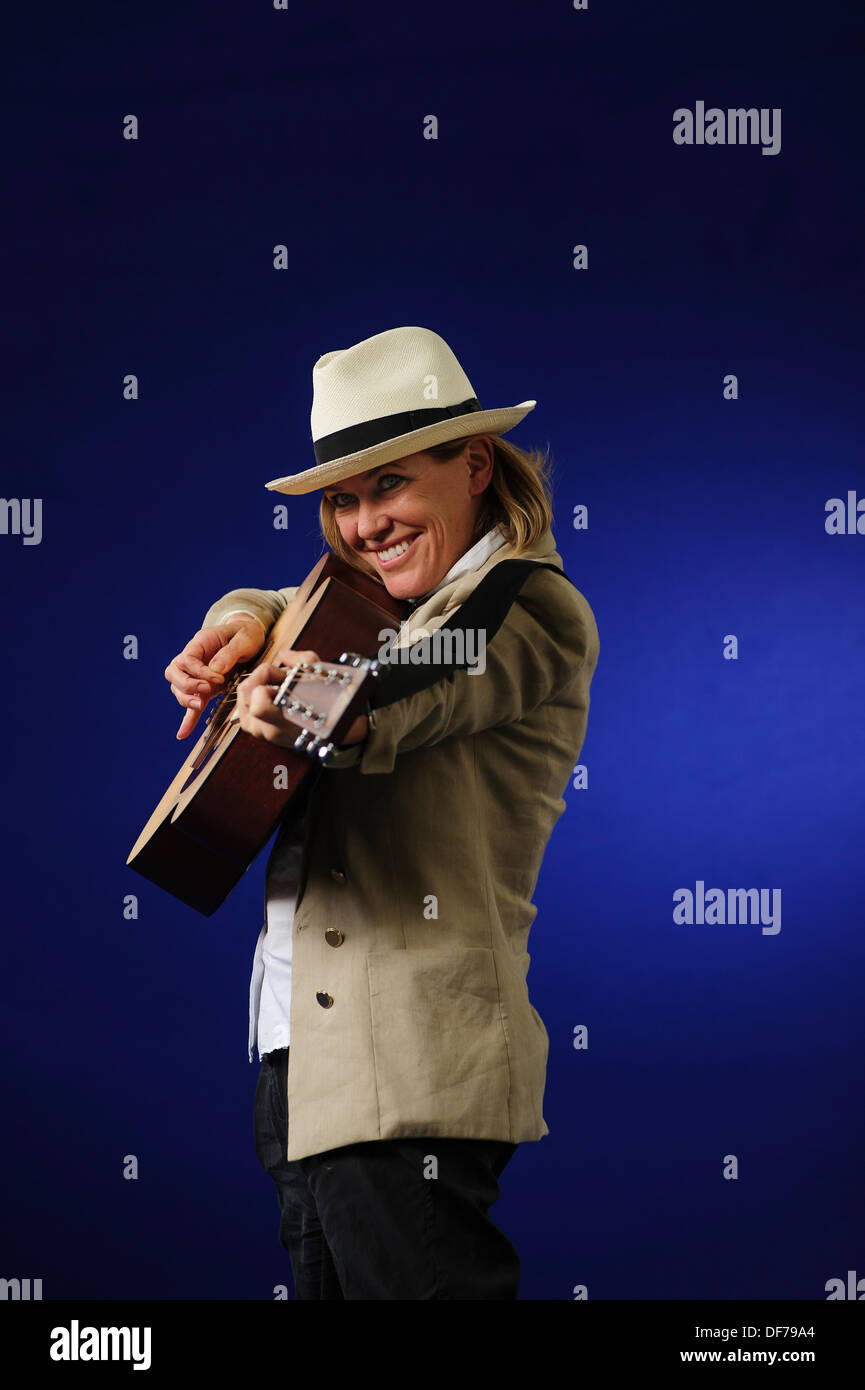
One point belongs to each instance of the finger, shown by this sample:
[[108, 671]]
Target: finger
[[188, 723], [289, 657], [201, 669], [188, 662], [183, 698], [243, 699], [190, 685], [256, 704], [179, 679], [259, 728], [260, 704], [262, 675], [237, 648]]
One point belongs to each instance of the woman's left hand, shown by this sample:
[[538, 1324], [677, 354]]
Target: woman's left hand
[[259, 716]]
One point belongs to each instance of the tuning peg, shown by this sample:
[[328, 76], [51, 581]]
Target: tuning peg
[[301, 740]]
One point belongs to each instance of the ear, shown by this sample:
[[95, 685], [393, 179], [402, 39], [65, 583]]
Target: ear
[[481, 457]]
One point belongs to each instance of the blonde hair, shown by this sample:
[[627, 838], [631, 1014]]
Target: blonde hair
[[518, 498]]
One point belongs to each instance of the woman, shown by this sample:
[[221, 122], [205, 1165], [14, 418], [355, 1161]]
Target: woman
[[401, 1059]]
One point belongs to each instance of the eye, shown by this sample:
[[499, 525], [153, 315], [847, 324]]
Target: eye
[[345, 499]]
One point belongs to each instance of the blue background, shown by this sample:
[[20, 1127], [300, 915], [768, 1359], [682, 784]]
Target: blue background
[[706, 517]]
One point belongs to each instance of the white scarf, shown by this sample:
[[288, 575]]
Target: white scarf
[[435, 607]]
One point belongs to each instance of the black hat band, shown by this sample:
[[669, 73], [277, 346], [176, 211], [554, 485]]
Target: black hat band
[[371, 432]]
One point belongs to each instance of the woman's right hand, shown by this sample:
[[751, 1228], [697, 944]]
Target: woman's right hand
[[198, 672]]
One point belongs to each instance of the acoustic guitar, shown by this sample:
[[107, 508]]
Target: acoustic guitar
[[233, 789]]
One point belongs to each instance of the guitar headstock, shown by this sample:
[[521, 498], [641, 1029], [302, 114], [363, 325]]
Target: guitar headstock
[[323, 699]]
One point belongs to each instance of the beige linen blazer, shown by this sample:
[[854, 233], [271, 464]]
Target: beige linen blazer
[[423, 847]]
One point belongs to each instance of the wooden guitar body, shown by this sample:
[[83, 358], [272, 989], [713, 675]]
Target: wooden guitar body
[[233, 789]]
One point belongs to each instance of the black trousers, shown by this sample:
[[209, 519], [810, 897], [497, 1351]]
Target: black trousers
[[391, 1218]]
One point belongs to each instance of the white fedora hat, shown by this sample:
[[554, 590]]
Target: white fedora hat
[[394, 394]]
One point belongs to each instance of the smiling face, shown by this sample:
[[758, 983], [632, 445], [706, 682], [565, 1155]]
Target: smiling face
[[413, 519]]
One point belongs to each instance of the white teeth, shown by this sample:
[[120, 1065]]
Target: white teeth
[[393, 550]]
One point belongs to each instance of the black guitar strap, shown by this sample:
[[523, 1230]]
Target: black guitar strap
[[484, 610]]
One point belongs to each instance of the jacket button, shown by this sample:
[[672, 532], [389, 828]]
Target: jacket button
[[324, 1000], [334, 937], [337, 875]]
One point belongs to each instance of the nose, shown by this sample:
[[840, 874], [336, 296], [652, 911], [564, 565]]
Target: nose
[[371, 520]]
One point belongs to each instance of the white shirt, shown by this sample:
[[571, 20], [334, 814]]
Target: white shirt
[[270, 985]]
